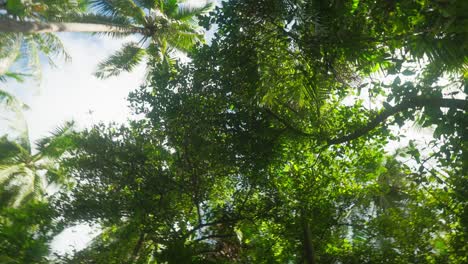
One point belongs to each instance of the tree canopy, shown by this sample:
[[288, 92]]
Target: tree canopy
[[277, 142]]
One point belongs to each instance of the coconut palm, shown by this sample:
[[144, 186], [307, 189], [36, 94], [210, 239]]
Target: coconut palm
[[19, 58], [164, 25], [20, 53], [25, 49], [24, 175]]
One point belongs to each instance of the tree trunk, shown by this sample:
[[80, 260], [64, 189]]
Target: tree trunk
[[138, 246], [11, 25], [309, 253]]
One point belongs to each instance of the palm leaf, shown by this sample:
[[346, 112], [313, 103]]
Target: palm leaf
[[8, 149], [124, 60], [10, 45], [119, 7], [51, 46], [148, 4], [60, 141], [182, 37], [11, 101], [104, 7], [27, 187], [17, 76], [167, 7], [30, 54], [188, 12], [8, 171]]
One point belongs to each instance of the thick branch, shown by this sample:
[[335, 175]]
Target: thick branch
[[416, 102], [138, 246], [15, 26]]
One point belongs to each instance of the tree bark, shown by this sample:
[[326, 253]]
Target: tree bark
[[309, 252], [15, 26], [138, 246]]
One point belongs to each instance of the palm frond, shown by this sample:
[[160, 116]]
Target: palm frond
[[124, 60], [167, 7], [8, 171], [27, 187], [445, 53], [104, 7], [8, 150], [188, 12], [51, 46], [30, 54], [60, 141], [11, 101], [148, 4], [10, 45], [182, 37], [17, 76], [119, 7]]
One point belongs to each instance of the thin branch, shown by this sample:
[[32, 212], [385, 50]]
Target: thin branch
[[200, 226], [213, 236], [287, 125]]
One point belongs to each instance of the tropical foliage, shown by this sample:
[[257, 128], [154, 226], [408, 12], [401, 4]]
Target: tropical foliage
[[24, 176], [280, 141]]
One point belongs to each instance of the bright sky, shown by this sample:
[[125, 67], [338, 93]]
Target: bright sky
[[70, 91]]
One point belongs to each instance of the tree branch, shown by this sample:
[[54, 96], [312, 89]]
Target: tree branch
[[138, 246], [213, 236], [287, 125], [416, 102], [200, 226]]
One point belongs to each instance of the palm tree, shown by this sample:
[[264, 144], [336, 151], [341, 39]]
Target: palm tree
[[163, 24], [25, 176], [20, 51], [17, 47]]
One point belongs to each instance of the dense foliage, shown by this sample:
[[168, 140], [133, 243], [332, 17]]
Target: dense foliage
[[271, 145]]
